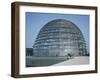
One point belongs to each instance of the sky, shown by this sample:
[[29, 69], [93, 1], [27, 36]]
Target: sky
[[35, 21]]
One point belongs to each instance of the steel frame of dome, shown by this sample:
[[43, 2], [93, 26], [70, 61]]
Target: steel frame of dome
[[58, 38]]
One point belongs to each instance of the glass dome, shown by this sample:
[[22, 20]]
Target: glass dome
[[59, 38]]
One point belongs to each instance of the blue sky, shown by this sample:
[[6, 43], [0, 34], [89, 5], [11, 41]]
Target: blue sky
[[35, 21]]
